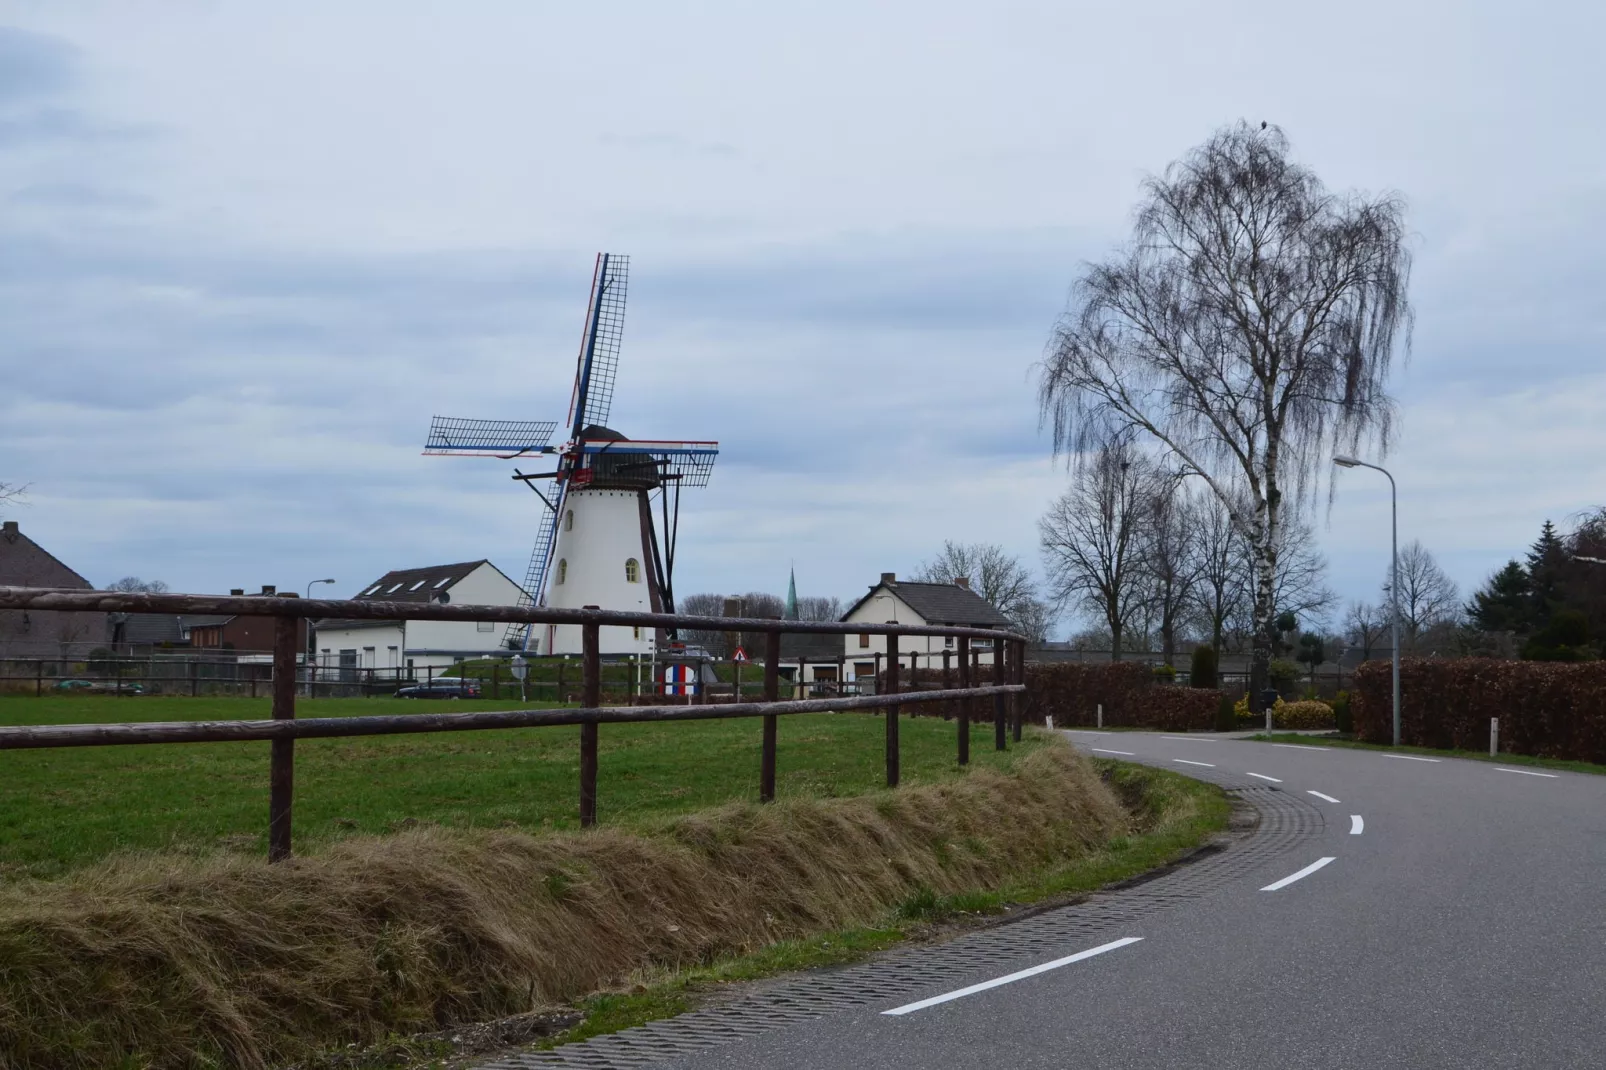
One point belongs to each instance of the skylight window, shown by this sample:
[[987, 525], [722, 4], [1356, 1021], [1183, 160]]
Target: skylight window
[[442, 582], [416, 586], [372, 589], [394, 588]]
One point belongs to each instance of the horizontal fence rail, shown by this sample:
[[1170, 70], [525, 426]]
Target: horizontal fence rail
[[1005, 650]]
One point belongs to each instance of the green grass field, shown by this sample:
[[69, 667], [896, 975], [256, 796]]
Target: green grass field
[[60, 809]]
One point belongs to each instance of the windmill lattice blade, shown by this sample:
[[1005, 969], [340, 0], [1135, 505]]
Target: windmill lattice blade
[[606, 317], [493, 438], [535, 573]]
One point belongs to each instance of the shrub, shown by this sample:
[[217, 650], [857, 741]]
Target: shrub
[[1240, 709], [1226, 713], [1302, 714], [1341, 713], [1283, 673], [1546, 709], [1165, 674], [1202, 673]]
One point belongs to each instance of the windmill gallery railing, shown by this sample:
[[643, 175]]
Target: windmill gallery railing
[[1007, 657]]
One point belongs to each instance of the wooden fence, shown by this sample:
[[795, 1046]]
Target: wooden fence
[[284, 728]]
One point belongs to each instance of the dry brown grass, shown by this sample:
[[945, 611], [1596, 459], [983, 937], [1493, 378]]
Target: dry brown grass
[[172, 962]]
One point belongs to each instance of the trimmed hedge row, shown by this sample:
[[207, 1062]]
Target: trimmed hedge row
[[1546, 709], [1071, 693]]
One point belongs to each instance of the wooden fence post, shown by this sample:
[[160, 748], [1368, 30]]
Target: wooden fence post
[[964, 703], [282, 763], [590, 698], [947, 678], [1017, 667], [892, 712], [772, 692], [999, 733]]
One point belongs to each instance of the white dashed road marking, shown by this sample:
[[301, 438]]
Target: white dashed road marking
[[1526, 772], [1192, 739], [1021, 975], [1263, 776], [1102, 750], [1412, 758], [1297, 746], [1185, 761], [1357, 824], [1319, 795], [1292, 877]]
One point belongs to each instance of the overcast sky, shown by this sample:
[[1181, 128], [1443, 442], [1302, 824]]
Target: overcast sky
[[246, 253]]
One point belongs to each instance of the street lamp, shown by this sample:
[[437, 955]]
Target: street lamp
[[1394, 584], [312, 653]]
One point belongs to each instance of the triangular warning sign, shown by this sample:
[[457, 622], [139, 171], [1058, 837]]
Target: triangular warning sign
[[740, 655]]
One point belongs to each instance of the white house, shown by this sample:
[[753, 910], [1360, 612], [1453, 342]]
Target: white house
[[395, 646], [938, 604]]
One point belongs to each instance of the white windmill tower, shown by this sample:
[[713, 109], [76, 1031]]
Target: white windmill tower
[[598, 543]]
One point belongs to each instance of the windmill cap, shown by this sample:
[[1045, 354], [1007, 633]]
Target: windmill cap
[[598, 433]]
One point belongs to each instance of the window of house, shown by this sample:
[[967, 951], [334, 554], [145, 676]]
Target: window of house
[[372, 589], [442, 582], [416, 586], [394, 588], [864, 639], [635, 633], [563, 569], [568, 520], [633, 570], [948, 641]]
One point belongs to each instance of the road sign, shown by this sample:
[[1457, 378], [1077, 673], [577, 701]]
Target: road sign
[[740, 655], [519, 668]]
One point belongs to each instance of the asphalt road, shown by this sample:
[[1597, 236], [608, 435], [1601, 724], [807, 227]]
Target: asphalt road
[[1463, 925]]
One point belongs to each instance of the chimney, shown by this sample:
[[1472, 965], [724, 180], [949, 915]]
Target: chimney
[[268, 588], [10, 531], [236, 591], [889, 578], [962, 581]]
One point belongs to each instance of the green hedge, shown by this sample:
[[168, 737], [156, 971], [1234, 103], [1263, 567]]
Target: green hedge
[[1546, 709]]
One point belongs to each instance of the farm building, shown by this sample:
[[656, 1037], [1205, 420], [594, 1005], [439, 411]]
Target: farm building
[[42, 633], [394, 646], [940, 604]]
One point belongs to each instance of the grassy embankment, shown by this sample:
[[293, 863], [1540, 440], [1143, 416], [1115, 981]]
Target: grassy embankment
[[200, 955], [1564, 764]]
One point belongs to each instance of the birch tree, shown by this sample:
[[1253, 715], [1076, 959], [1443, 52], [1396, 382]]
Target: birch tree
[[1247, 330]]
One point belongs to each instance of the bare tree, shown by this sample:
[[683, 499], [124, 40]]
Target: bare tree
[[1247, 329], [1366, 626], [1299, 585], [1169, 549], [992, 572], [1428, 596], [1222, 586], [12, 493], [1035, 619], [819, 607], [135, 585], [1091, 539], [703, 604]]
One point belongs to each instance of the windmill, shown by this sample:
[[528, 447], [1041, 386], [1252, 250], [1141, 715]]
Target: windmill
[[597, 543]]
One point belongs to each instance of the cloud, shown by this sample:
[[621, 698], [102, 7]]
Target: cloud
[[34, 64], [72, 196]]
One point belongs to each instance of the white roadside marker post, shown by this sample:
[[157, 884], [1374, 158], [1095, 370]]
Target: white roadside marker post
[[1494, 736], [1101, 715]]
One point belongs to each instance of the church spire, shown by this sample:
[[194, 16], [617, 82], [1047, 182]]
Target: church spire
[[791, 597]]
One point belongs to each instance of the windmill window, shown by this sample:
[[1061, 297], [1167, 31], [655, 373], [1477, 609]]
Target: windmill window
[[568, 520], [485, 626], [563, 569], [633, 570]]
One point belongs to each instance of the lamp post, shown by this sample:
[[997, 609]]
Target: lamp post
[[311, 651], [1394, 582]]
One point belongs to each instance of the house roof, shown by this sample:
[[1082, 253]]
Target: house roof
[[942, 603], [811, 645], [426, 584]]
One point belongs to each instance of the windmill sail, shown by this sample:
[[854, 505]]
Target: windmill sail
[[599, 347], [517, 636], [487, 438]]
